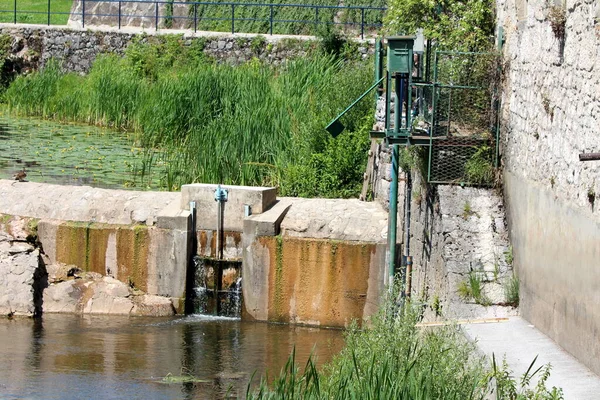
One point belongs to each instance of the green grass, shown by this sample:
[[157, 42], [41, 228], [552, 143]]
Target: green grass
[[392, 358], [250, 125], [35, 11]]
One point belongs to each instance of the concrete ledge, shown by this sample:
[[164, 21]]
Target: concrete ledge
[[259, 199], [269, 222], [173, 217], [81, 203]]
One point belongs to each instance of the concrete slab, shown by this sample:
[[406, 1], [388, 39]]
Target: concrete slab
[[522, 342], [260, 199], [82, 203], [269, 222], [335, 219]]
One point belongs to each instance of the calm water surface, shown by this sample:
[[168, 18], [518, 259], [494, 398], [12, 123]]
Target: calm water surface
[[98, 357], [72, 154]]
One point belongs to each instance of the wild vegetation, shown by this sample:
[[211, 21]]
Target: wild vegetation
[[252, 124], [35, 11], [392, 358]]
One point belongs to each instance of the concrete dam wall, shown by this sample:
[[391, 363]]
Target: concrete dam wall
[[307, 261]]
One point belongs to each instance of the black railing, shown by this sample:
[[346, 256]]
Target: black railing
[[250, 17]]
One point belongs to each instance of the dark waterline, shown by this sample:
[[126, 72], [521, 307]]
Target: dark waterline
[[101, 357]]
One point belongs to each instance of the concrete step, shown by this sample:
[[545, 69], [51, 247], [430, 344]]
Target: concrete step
[[521, 342]]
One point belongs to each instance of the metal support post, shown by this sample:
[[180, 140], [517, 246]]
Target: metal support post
[[393, 220], [362, 23], [82, 13], [156, 15], [195, 18], [119, 14], [271, 20], [232, 18], [48, 12], [15, 12]]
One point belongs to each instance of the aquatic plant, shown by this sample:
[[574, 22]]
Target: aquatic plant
[[252, 124]]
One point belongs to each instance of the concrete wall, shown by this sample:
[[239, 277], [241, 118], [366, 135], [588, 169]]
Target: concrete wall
[[325, 266], [551, 113]]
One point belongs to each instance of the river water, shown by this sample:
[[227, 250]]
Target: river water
[[73, 154], [101, 357]]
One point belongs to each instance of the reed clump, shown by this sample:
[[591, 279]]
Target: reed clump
[[392, 358], [253, 124]]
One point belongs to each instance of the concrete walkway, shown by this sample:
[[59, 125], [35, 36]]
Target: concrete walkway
[[521, 342]]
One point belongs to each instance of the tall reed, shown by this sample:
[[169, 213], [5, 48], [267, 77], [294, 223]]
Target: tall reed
[[252, 124]]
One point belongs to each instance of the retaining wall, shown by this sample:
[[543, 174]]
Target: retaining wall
[[551, 114], [76, 49]]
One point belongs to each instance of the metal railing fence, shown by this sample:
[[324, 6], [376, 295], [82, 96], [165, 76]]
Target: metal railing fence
[[264, 17]]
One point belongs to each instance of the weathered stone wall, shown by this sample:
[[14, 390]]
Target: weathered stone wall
[[77, 48], [458, 233], [23, 274], [551, 113]]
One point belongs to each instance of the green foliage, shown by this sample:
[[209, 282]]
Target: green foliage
[[454, 24], [508, 255], [472, 289], [257, 43], [509, 388], [35, 11], [201, 122], [392, 358], [479, 169], [511, 291]]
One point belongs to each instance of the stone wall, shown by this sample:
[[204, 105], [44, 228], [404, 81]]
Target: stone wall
[[77, 48], [551, 114], [23, 274]]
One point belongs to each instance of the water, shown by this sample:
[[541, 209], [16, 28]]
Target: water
[[217, 287], [100, 357], [71, 154]]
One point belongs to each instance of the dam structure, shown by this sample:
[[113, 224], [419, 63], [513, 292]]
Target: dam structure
[[304, 261]]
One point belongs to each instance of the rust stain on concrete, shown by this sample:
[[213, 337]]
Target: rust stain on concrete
[[317, 281]]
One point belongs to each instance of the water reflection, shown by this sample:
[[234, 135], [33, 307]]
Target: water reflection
[[64, 356]]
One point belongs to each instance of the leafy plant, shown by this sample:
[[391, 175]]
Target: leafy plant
[[392, 358], [511, 291], [199, 121], [472, 288], [466, 25], [479, 169], [509, 388]]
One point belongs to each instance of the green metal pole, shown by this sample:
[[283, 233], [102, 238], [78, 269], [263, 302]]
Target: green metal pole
[[378, 63], [393, 222]]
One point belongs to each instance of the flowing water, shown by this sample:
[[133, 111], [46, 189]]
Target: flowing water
[[71, 154], [100, 357]]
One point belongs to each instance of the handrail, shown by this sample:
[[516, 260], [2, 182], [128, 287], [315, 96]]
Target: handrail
[[195, 18]]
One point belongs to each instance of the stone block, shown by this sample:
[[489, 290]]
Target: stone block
[[259, 199]]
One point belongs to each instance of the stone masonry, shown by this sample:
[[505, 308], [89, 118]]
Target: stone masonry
[[77, 48], [551, 114]]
